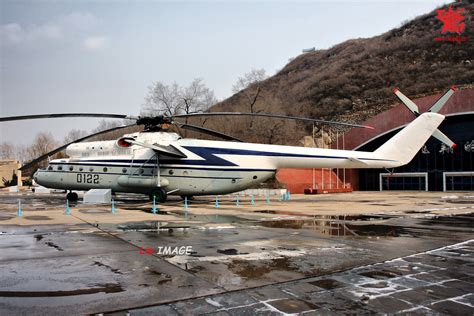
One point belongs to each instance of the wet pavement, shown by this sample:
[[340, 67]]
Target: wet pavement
[[262, 261]]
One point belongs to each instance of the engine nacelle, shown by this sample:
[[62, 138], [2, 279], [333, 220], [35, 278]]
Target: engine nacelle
[[123, 143]]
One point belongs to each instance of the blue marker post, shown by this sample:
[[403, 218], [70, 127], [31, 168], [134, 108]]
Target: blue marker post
[[154, 205], [19, 208], [67, 207], [216, 205], [186, 207], [237, 200], [268, 198], [289, 195], [252, 201], [113, 206]]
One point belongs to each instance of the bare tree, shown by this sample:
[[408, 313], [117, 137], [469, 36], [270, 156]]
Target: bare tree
[[7, 150], [251, 78], [74, 134], [163, 99], [197, 97], [249, 84]]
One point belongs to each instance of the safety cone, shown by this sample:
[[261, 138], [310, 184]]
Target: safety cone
[[113, 206], [154, 205], [67, 207], [186, 207]]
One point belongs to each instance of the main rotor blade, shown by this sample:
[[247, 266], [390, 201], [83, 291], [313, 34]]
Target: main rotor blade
[[52, 152], [442, 101], [285, 117], [206, 131], [58, 115]]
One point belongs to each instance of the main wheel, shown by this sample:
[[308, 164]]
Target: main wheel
[[72, 197], [159, 194]]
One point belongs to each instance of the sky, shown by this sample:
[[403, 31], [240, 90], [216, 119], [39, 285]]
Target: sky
[[101, 56]]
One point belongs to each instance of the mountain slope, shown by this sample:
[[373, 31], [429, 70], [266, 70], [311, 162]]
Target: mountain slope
[[353, 81]]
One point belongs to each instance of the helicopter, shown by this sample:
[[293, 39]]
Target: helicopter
[[159, 163]]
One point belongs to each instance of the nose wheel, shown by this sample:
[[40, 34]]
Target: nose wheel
[[72, 197], [159, 194]]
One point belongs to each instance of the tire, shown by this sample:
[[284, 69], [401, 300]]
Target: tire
[[159, 194], [72, 197]]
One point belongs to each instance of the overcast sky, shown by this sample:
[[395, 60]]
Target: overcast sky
[[100, 56]]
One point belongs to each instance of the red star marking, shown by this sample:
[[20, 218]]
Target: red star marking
[[451, 20]]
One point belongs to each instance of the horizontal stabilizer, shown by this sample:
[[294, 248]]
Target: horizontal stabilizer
[[360, 162]]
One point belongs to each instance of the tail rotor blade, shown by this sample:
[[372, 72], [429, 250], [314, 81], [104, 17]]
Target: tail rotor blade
[[443, 138], [407, 102], [442, 100]]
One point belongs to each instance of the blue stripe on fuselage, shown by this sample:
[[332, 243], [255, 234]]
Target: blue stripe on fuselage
[[210, 159]]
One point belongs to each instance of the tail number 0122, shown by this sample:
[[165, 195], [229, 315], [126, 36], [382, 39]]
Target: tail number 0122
[[87, 178]]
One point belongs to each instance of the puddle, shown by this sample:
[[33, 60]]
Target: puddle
[[465, 220], [292, 306], [328, 284], [105, 288], [38, 217], [100, 264], [256, 269], [94, 211], [381, 274], [53, 245], [231, 252]]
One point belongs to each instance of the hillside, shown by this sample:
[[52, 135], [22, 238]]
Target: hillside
[[353, 81]]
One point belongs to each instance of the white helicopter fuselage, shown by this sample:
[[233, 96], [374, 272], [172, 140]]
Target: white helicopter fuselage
[[212, 167]]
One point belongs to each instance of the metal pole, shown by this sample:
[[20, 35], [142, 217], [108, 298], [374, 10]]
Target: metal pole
[[343, 170], [337, 147], [322, 143]]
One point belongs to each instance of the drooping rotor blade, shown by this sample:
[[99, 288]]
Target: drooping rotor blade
[[443, 138], [206, 131], [442, 101], [52, 152], [407, 102], [285, 117], [169, 150], [58, 115]]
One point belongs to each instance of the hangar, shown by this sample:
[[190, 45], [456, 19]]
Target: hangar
[[435, 168]]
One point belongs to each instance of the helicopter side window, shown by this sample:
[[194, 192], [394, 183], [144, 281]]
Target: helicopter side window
[[124, 170], [71, 168], [80, 169], [60, 167], [105, 169], [91, 169], [50, 167]]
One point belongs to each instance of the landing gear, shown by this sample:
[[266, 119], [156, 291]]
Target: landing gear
[[159, 194], [190, 197], [72, 196]]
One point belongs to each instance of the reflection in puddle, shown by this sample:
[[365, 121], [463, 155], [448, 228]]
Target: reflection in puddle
[[252, 269], [106, 288]]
